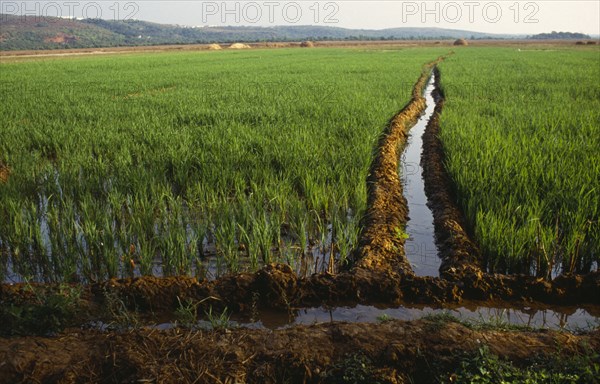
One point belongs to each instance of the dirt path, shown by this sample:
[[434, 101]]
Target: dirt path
[[390, 352]]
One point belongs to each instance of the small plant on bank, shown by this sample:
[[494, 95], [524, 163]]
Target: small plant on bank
[[437, 321], [354, 369], [400, 234], [218, 320], [384, 318], [496, 323], [120, 315], [187, 312]]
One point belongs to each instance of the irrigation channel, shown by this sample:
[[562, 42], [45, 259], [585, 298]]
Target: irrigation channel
[[420, 247]]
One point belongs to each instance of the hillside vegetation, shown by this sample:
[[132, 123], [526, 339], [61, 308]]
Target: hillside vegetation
[[25, 33]]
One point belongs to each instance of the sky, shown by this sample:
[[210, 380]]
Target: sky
[[505, 17]]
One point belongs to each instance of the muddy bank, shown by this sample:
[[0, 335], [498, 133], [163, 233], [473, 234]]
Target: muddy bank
[[277, 287], [460, 255], [381, 241], [390, 352]]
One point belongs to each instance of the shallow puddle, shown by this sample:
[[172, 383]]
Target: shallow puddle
[[420, 247], [570, 319], [573, 319]]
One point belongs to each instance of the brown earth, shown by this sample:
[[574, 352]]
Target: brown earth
[[277, 287], [460, 255], [4, 172], [391, 352], [61, 39]]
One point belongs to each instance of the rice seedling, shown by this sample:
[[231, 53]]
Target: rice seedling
[[521, 134]]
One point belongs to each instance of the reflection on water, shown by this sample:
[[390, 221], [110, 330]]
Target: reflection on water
[[420, 247], [563, 318], [566, 318]]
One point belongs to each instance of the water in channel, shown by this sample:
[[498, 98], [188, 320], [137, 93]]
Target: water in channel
[[420, 247]]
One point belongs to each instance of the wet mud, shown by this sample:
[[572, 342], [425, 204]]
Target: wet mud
[[390, 352], [460, 255], [381, 241]]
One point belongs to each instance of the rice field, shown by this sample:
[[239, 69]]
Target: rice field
[[521, 131], [209, 163], [198, 163]]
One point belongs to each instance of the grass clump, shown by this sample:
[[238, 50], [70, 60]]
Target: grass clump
[[485, 367], [353, 369]]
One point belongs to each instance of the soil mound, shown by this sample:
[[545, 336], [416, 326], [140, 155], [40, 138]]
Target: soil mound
[[239, 46]]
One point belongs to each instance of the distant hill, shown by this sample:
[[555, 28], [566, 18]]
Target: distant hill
[[559, 36], [31, 33]]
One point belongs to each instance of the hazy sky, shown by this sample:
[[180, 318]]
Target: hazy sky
[[519, 17]]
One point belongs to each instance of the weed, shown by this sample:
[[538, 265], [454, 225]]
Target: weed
[[120, 315], [484, 367], [353, 369], [384, 317], [218, 320], [187, 312]]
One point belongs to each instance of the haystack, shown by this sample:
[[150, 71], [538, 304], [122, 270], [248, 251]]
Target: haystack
[[307, 44], [239, 46], [461, 42], [580, 43], [214, 47], [591, 43]]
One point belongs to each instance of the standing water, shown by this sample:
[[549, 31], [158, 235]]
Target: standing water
[[420, 247]]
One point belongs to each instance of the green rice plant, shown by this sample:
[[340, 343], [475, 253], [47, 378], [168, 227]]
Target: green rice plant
[[226, 241], [218, 134], [520, 132]]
